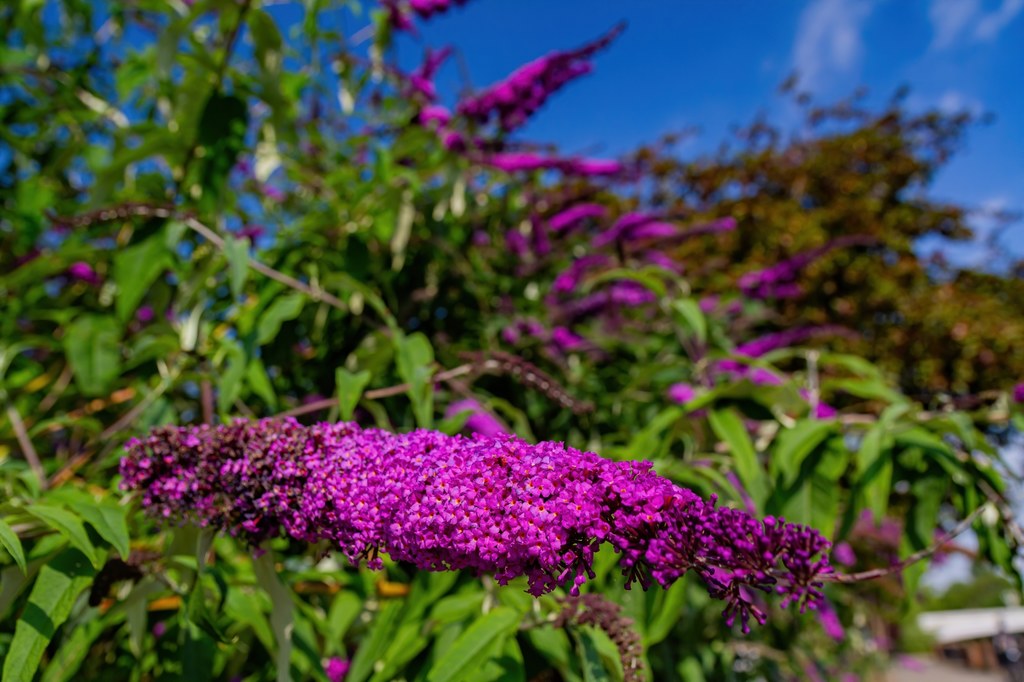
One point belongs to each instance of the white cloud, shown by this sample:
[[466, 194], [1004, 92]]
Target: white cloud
[[954, 21], [950, 19], [955, 102], [992, 23], [829, 39]]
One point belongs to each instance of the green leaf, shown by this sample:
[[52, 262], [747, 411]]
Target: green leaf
[[376, 642], [691, 318], [869, 389], [222, 128], [461, 660], [68, 525], [281, 615], [591, 660], [54, 594], [11, 542], [135, 270], [92, 344], [350, 387], [667, 614], [259, 381], [792, 446], [344, 610], [75, 647], [110, 521], [727, 425], [284, 308], [237, 252], [415, 359], [650, 277], [229, 383]]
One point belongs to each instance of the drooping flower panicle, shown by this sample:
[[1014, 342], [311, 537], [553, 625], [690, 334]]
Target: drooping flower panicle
[[513, 100], [495, 505]]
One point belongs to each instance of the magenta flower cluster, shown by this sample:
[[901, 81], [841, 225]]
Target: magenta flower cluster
[[778, 281], [513, 100], [490, 505]]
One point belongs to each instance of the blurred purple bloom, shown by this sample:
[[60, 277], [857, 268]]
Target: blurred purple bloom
[[159, 629], [83, 272], [145, 314], [272, 193], [1018, 393], [336, 669], [776, 279], [664, 261], [516, 242], [830, 622], [570, 278], [821, 410], [513, 100], [251, 232], [613, 298], [422, 79], [435, 114], [480, 420], [824, 411], [453, 140], [571, 217], [513, 162], [624, 227], [708, 303], [844, 554], [911, 663], [759, 376], [655, 230], [427, 8], [784, 339], [565, 340], [681, 393], [591, 167]]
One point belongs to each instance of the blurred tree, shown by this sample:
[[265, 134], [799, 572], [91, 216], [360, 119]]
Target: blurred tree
[[863, 176]]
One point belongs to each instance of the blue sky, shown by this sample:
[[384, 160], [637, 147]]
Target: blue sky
[[715, 64]]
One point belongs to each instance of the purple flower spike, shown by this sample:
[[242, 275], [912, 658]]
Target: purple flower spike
[[512, 162], [422, 79], [571, 217], [489, 505], [513, 100]]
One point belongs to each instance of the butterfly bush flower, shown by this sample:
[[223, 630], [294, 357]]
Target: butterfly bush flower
[[1018, 393], [776, 281], [489, 505], [569, 279], [480, 420], [336, 669], [514, 162], [568, 219], [422, 79], [512, 101], [681, 393], [628, 226], [83, 272]]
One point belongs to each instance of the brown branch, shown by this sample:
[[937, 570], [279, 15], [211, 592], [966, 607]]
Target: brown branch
[[27, 449], [128, 210], [375, 394], [909, 560], [499, 362]]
